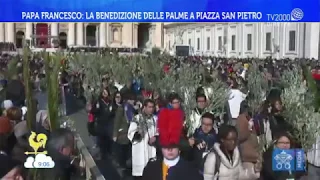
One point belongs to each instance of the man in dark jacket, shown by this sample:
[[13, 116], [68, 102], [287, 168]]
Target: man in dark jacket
[[60, 147], [127, 89], [15, 92], [104, 112]]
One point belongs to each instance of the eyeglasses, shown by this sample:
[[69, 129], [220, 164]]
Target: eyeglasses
[[207, 124], [284, 143], [201, 101], [118, 96], [176, 102]]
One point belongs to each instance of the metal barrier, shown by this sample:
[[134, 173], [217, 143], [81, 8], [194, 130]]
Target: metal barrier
[[92, 172], [87, 162]]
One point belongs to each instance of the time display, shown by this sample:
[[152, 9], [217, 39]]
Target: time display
[[43, 165]]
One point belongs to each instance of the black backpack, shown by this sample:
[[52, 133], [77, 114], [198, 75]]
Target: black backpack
[[218, 161]]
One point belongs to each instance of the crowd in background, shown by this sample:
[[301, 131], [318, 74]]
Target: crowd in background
[[123, 123]]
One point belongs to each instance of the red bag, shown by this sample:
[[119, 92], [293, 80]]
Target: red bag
[[92, 125], [90, 117]]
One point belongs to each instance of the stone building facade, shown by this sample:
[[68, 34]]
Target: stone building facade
[[83, 34], [218, 39], [280, 40]]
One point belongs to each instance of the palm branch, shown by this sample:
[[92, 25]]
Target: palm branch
[[52, 67], [299, 112], [28, 86]]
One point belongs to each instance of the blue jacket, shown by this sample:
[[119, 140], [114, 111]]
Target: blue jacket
[[137, 85], [210, 138], [129, 110]]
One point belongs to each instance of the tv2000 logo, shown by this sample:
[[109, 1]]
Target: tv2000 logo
[[295, 15]]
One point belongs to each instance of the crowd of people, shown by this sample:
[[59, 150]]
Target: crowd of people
[[7, 46], [146, 131], [149, 132], [15, 131]]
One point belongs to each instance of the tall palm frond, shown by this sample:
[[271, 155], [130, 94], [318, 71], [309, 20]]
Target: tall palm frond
[[52, 68]]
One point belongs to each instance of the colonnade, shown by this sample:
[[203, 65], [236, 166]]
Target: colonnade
[[106, 34]]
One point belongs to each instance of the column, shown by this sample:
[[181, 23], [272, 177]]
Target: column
[[312, 40], [10, 32], [242, 37], [2, 30], [80, 34], [71, 30], [102, 35], [127, 34], [29, 30], [135, 35], [108, 34], [97, 35], [54, 33]]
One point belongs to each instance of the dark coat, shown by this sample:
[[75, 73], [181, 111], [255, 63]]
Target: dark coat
[[3, 95], [20, 148], [183, 170], [11, 142], [7, 164], [125, 91], [62, 170], [104, 115], [200, 136], [121, 126], [15, 92], [277, 124]]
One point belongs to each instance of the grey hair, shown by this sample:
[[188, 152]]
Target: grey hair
[[60, 138]]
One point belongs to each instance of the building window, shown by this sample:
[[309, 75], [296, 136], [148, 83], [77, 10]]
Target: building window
[[115, 35], [208, 43], [189, 42], [198, 44], [292, 40], [220, 43], [233, 42], [249, 42], [268, 41]]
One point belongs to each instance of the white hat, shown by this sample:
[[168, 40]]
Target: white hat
[[24, 110], [7, 104]]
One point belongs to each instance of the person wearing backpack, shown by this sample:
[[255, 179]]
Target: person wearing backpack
[[224, 162]]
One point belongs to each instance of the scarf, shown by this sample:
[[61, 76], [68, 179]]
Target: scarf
[[166, 165]]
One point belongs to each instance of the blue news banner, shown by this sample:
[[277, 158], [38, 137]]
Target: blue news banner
[[288, 160], [160, 11]]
